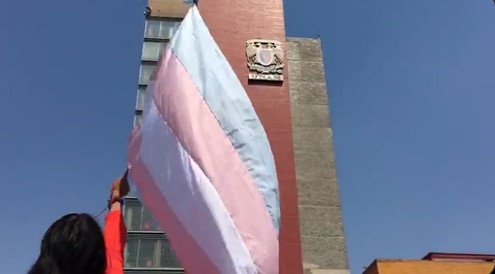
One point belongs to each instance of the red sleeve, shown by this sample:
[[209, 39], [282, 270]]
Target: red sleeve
[[115, 237]]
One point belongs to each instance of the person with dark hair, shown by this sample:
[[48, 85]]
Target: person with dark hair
[[75, 243]]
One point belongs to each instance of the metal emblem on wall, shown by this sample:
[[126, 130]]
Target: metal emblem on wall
[[265, 60]]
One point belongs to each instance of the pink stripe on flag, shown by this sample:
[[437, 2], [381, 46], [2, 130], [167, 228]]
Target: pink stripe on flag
[[191, 196], [186, 113], [183, 243]]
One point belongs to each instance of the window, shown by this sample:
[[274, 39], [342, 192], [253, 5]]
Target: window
[[133, 216], [147, 254], [152, 29], [131, 252], [144, 253], [148, 223], [152, 50], [137, 217], [161, 29], [167, 257], [168, 28], [138, 120], [150, 272], [145, 73], [141, 96]]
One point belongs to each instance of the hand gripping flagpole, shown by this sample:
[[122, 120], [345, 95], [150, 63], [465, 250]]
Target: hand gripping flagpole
[[191, 2]]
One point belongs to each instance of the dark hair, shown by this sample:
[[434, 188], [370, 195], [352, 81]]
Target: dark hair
[[73, 244]]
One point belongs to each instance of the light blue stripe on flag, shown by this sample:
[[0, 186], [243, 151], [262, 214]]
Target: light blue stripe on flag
[[231, 106]]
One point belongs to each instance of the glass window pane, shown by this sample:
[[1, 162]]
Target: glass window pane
[[133, 216], [141, 96], [138, 120], [163, 46], [167, 257], [148, 223], [145, 74], [151, 51], [168, 29], [152, 29], [131, 251], [147, 254]]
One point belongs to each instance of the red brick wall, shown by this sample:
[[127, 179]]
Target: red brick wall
[[232, 23]]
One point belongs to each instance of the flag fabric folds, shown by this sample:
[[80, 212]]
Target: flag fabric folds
[[202, 162]]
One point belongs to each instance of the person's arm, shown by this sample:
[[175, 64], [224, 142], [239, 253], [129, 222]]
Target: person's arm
[[115, 231], [115, 237]]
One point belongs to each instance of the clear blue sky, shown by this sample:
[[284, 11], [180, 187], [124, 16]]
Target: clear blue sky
[[411, 86]]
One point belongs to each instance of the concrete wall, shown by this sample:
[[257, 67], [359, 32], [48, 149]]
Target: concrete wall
[[430, 267], [168, 8], [322, 234]]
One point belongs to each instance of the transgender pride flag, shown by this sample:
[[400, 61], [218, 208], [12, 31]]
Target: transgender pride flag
[[202, 161]]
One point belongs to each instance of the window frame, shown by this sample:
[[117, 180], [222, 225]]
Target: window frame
[[154, 255], [126, 252], [138, 120], [141, 98], [158, 236], [161, 20], [126, 213], [157, 242], [156, 56], [159, 254], [146, 63]]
